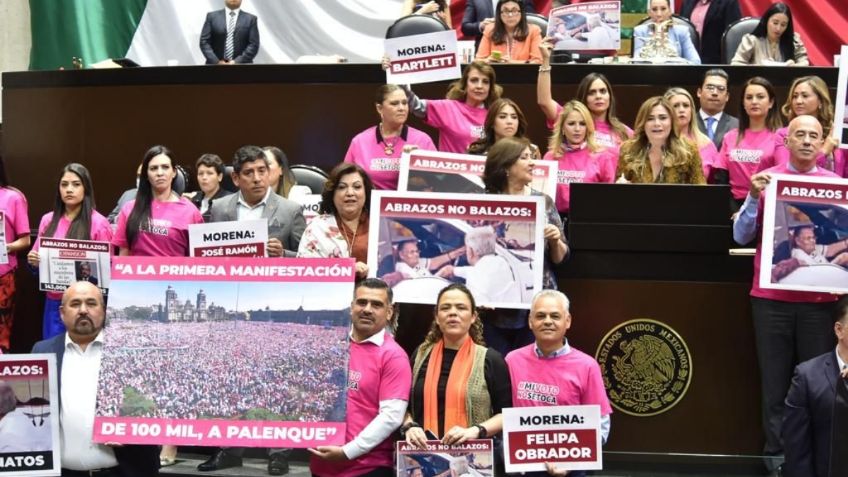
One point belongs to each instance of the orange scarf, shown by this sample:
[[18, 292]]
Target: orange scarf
[[456, 413]]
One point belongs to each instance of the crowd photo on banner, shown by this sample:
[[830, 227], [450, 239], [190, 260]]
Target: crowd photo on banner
[[416, 306]]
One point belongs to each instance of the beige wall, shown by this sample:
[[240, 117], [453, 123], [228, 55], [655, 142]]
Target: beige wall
[[15, 38]]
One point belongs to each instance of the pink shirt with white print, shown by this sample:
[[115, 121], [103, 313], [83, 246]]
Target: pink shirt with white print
[[368, 151], [166, 235], [582, 166], [744, 159], [458, 123]]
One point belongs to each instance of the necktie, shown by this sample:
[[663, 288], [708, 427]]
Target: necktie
[[231, 28], [711, 121]]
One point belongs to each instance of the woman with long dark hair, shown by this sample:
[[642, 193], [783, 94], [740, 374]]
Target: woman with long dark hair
[[773, 41], [13, 204], [156, 222], [510, 39], [73, 217], [504, 119]]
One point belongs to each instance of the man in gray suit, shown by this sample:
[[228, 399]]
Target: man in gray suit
[[713, 95], [230, 35], [256, 200]]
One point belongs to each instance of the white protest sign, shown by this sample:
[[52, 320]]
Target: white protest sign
[[243, 238], [422, 58]]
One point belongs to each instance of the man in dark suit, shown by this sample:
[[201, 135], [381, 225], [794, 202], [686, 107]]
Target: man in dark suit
[[255, 199], [713, 95], [479, 13], [229, 36], [78, 352], [719, 15], [811, 415]]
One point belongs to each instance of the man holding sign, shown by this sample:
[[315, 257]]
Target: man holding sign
[[549, 372], [256, 200]]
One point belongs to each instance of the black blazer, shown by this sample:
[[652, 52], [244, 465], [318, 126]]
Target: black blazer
[[213, 37], [719, 16], [726, 123], [133, 460], [808, 417], [479, 10]]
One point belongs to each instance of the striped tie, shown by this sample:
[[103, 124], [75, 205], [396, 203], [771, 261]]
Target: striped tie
[[231, 28]]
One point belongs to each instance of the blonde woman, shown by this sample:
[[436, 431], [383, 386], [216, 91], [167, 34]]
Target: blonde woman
[[683, 107]]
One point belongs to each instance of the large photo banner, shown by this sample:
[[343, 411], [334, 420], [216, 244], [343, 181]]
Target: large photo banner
[[238, 238], [419, 243], [423, 58], [434, 171], [586, 26], [472, 458], [29, 415], [569, 436], [65, 261], [805, 234], [247, 352]]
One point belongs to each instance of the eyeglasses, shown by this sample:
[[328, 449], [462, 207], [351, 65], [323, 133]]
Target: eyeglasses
[[715, 88], [511, 12]]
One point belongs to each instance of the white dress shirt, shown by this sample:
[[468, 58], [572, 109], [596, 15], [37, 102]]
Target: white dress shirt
[[248, 212], [235, 22], [80, 370]]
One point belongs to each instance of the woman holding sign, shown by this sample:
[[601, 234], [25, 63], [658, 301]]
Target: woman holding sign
[[341, 229], [13, 206], [460, 117], [378, 148], [73, 217], [156, 222], [459, 387], [510, 39]]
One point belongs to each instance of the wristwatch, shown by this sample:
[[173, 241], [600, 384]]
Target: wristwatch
[[483, 432]]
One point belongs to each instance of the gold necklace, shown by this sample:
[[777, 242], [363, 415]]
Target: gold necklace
[[388, 146], [350, 240]]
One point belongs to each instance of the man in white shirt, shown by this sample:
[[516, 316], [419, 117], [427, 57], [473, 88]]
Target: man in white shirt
[[808, 252], [411, 265], [490, 277], [78, 355]]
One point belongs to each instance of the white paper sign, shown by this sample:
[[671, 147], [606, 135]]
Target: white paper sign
[[422, 58], [310, 205], [569, 436], [243, 238], [65, 261], [592, 26]]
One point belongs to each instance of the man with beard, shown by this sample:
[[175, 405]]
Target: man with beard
[[78, 354]]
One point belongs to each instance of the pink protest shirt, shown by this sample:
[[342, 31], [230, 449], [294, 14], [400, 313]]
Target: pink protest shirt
[[368, 151], [458, 123], [839, 163], [744, 159], [568, 380], [784, 295], [581, 166], [14, 207], [167, 233], [605, 136], [709, 158], [375, 373], [101, 231]]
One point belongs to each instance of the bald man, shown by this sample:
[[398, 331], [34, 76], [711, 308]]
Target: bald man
[[78, 354], [789, 326]]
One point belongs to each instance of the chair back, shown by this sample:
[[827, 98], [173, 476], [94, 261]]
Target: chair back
[[732, 36], [415, 25], [180, 181], [676, 20], [310, 176], [540, 21], [227, 184]]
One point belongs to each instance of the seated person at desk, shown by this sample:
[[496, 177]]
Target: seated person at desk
[[677, 42], [773, 41], [411, 265], [435, 8], [807, 252], [510, 39]]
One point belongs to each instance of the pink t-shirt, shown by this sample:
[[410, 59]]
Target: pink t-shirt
[[743, 160], [369, 152], [569, 380], [781, 156], [375, 373], [709, 158], [581, 166], [604, 134], [167, 233], [101, 231], [14, 207], [784, 295], [458, 123]]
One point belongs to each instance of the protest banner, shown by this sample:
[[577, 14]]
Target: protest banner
[[29, 415], [421, 242], [422, 58], [65, 261], [805, 234], [840, 122], [238, 238], [473, 458], [434, 171], [586, 26], [310, 205], [569, 436], [209, 352], [4, 254]]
